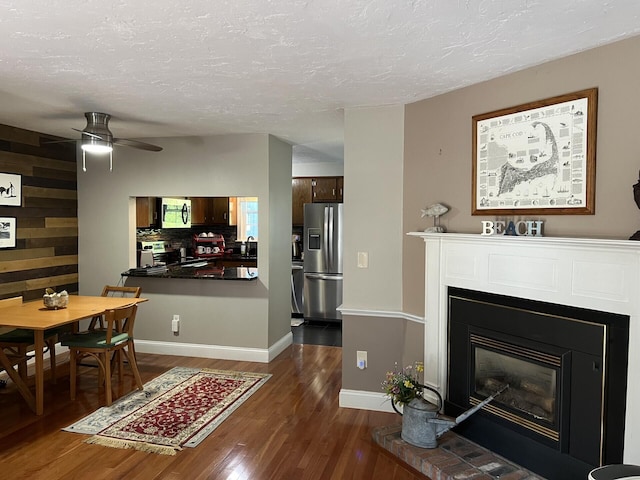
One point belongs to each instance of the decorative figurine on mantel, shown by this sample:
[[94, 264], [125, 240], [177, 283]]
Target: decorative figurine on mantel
[[435, 211], [636, 197]]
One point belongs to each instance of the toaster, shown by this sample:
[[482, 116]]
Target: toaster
[[146, 258]]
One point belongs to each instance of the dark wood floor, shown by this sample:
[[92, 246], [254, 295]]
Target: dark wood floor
[[318, 333], [292, 428]]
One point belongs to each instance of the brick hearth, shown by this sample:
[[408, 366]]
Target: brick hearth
[[455, 458]]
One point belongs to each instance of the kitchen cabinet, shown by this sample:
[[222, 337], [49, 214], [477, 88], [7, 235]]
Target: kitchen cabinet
[[146, 212], [233, 211], [325, 189], [313, 190], [301, 193], [339, 189], [220, 211], [200, 210], [210, 211]]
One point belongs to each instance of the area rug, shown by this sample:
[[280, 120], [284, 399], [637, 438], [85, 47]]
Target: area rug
[[180, 408]]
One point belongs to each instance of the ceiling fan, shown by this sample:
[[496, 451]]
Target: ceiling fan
[[97, 138]]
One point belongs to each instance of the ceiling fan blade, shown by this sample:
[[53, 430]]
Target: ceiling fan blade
[[137, 144], [48, 142], [88, 134]]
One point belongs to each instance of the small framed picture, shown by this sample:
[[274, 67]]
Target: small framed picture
[[10, 189], [7, 232]]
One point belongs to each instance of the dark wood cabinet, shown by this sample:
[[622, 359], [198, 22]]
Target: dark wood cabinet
[[325, 189], [200, 210], [301, 194], [313, 190], [210, 210], [220, 211], [146, 209]]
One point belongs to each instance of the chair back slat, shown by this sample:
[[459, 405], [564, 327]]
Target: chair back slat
[[120, 320], [9, 302], [115, 291]]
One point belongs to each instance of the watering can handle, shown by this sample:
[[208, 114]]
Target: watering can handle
[[440, 402]]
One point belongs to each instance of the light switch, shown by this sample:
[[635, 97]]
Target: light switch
[[363, 259]]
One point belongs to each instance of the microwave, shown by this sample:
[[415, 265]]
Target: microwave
[[175, 213]]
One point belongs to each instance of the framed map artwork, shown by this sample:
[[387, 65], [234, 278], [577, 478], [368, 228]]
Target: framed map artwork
[[537, 158]]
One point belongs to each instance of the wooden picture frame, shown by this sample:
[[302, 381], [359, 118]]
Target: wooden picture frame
[[537, 158], [10, 189], [7, 232]]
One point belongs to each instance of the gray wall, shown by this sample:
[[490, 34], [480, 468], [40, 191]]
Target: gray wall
[[437, 164], [232, 314]]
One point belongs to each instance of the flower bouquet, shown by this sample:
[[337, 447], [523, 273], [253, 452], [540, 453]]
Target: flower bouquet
[[403, 385]]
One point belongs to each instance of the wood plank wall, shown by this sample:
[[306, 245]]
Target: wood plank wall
[[46, 253]]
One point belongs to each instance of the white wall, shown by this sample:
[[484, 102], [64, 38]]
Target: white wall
[[371, 311], [232, 314], [319, 169], [374, 143]]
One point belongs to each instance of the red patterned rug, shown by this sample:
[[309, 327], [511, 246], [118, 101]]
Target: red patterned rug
[[194, 403]]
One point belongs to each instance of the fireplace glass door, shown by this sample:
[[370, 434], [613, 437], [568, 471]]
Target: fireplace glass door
[[532, 388], [533, 376]]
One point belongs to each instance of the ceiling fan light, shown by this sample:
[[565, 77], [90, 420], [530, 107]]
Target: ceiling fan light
[[95, 148]]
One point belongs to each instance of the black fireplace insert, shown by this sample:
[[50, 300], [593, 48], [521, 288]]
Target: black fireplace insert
[[564, 411]]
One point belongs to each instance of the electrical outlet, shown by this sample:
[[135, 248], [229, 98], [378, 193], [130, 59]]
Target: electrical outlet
[[363, 259], [361, 358], [175, 324]]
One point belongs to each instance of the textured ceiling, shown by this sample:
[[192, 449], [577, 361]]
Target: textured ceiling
[[286, 67]]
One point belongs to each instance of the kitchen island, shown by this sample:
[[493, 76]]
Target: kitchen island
[[198, 269]]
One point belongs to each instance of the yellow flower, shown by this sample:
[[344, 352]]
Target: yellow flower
[[420, 367], [408, 384]]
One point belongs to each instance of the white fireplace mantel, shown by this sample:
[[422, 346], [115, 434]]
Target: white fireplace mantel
[[596, 274]]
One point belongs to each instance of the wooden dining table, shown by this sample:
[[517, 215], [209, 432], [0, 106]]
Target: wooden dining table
[[35, 316]]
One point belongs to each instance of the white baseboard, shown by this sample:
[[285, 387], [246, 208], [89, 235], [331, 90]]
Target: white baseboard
[[223, 352], [363, 400]]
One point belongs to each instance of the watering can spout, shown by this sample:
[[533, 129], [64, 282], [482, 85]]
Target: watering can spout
[[444, 425]]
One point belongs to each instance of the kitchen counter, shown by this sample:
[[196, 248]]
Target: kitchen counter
[[195, 269], [229, 260]]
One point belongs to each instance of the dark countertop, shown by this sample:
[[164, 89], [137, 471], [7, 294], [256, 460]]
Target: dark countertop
[[195, 269], [226, 256]]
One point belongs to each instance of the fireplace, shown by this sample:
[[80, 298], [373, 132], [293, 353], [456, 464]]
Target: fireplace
[[566, 371], [572, 277]]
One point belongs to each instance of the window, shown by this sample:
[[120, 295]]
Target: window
[[247, 218]]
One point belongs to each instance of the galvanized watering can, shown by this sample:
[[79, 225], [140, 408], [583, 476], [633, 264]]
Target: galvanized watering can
[[422, 425]]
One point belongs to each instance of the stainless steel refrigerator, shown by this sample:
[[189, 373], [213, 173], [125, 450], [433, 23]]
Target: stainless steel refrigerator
[[322, 261]]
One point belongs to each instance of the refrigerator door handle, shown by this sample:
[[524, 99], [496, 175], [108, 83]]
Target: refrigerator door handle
[[330, 239], [325, 239], [322, 276]]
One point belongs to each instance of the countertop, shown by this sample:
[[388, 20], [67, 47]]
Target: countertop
[[198, 269]]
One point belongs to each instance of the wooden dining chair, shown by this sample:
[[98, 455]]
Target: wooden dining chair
[[113, 291], [117, 336], [18, 342]]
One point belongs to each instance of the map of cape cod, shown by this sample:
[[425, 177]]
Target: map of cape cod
[[533, 159]]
